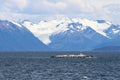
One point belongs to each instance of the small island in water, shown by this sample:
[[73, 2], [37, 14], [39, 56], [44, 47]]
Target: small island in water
[[81, 55]]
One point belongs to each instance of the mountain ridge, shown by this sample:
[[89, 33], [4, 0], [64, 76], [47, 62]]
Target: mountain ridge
[[64, 34], [17, 38], [58, 33]]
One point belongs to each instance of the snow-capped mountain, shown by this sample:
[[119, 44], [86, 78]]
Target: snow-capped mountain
[[75, 34], [59, 34], [15, 37]]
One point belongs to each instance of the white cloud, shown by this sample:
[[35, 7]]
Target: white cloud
[[79, 5], [46, 7], [92, 9], [114, 12], [16, 4], [18, 16], [54, 6]]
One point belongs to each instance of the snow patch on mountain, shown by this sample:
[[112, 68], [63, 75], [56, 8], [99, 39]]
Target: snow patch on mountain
[[17, 24], [44, 30], [116, 31], [98, 27]]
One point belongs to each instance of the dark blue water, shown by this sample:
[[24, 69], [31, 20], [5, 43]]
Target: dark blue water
[[38, 66]]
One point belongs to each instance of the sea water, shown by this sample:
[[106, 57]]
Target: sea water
[[39, 66]]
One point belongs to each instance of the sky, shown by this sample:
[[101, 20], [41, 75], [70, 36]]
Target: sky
[[35, 10]]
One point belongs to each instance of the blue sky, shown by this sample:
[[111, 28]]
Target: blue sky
[[44, 9]]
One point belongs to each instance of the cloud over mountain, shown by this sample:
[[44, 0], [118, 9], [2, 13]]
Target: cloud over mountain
[[92, 9]]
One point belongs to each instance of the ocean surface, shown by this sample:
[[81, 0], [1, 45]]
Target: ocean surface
[[39, 66]]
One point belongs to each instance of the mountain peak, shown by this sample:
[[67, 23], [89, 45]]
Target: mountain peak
[[60, 25], [10, 25], [14, 37], [58, 34]]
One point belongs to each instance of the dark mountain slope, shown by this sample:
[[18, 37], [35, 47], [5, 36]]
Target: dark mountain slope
[[14, 37]]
